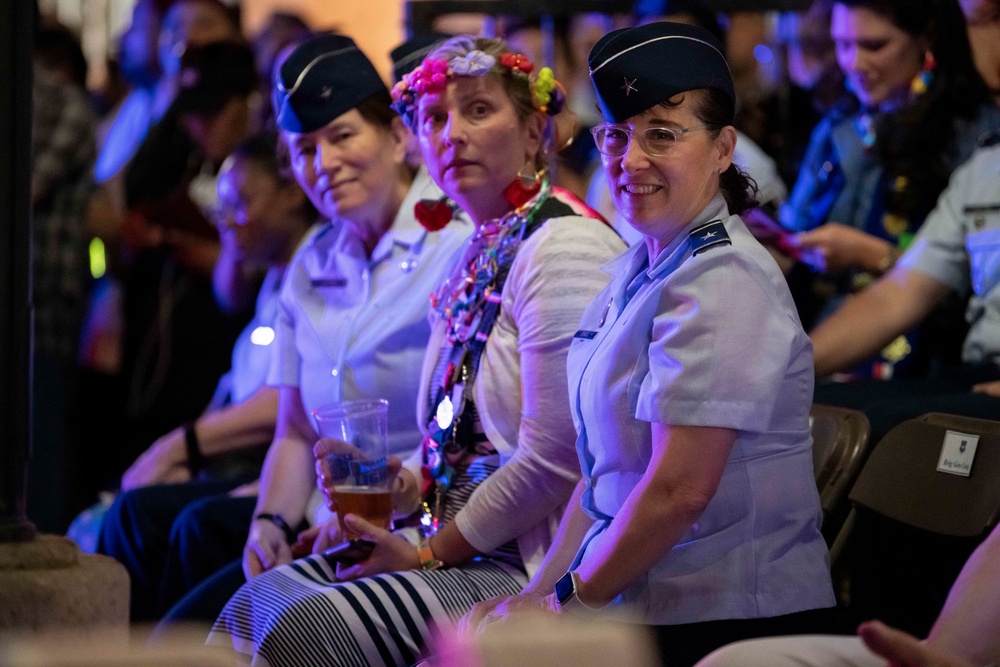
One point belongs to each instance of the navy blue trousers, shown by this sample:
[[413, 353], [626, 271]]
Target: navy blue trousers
[[172, 537]]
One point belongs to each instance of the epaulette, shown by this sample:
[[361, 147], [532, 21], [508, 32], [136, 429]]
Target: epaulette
[[708, 236], [991, 138]]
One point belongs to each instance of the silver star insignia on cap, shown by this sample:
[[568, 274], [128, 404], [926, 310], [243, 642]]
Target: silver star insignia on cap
[[326, 92], [629, 86]]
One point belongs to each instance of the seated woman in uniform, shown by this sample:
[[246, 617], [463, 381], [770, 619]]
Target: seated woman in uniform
[[352, 310], [690, 383], [503, 322]]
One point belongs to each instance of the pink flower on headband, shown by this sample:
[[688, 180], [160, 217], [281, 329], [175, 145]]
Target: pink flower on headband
[[430, 77]]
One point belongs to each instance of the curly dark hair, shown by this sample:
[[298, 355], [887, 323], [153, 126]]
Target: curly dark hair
[[265, 150], [913, 144], [715, 111]]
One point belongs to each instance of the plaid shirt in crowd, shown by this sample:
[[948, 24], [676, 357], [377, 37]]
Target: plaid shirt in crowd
[[61, 180]]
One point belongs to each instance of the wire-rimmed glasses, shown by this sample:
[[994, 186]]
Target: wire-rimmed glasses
[[613, 140]]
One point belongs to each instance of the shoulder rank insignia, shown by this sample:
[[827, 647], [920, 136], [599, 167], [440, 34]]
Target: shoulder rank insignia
[[709, 235], [991, 138]]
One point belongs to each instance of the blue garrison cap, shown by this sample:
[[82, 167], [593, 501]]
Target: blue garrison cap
[[635, 69], [412, 52], [323, 77]]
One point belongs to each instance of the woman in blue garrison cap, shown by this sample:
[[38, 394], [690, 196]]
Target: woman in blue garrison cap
[[690, 383], [496, 465], [353, 308]]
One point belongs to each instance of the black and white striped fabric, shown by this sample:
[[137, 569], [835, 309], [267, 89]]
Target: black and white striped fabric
[[298, 614]]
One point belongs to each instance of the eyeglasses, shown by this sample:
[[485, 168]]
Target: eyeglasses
[[613, 140]]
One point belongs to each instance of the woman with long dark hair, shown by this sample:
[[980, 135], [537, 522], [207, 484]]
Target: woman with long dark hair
[[914, 110]]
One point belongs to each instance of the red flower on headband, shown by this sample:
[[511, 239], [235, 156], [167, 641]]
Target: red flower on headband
[[516, 61]]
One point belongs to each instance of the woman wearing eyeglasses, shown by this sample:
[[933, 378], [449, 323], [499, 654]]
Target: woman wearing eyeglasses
[[690, 383]]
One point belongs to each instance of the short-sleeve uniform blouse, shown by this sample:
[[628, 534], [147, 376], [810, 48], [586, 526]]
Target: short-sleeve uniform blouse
[[705, 335], [351, 326]]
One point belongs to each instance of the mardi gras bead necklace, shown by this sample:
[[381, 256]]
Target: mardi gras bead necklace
[[462, 297]]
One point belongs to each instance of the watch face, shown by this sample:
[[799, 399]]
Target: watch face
[[564, 588]]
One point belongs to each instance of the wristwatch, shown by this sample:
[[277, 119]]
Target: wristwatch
[[566, 593], [426, 556]]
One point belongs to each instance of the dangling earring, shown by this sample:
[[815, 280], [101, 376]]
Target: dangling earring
[[922, 81], [525, 186], [433, 213]]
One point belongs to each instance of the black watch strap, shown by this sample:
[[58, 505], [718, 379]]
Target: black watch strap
[[279, 521]]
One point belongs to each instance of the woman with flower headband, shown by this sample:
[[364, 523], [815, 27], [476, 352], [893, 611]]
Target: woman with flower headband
[[497, 465]]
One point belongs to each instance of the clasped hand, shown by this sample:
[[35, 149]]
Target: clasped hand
[[505, 607]]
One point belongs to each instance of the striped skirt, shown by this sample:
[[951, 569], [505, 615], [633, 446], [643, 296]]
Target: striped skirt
[[298, 614]]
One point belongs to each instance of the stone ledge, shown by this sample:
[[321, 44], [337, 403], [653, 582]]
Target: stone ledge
[[89, 595], [45, 552]]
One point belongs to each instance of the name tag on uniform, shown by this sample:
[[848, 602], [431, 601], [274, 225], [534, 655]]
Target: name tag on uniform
[[585, 335], [957, 453], [982, 208], [329, 282]]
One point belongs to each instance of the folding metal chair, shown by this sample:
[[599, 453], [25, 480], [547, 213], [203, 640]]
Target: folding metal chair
[[840, 444], [927, 496]]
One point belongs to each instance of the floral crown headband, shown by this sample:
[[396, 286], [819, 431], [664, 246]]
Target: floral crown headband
[[431, 76]]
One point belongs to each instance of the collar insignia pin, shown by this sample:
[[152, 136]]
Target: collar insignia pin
[[604, 315], [629, 86]]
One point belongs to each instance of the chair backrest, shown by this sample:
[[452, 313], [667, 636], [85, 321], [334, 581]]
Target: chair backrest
[[913, 526], [901, 479], [840, 444]]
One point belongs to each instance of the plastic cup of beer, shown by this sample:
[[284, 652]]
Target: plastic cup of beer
[[355, 460]]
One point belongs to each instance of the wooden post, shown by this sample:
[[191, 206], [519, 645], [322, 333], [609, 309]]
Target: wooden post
[[16, 30]]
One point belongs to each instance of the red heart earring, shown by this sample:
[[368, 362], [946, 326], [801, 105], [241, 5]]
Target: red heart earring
[[434, 214]]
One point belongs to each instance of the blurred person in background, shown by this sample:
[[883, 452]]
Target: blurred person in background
[[63, 146], [108, 348], [174, 493], [280, 30], [914, 109], [176, 339]]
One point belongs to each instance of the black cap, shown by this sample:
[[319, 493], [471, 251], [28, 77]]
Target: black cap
[[412, 52], [637, 68], [323, 77], [213, 74]]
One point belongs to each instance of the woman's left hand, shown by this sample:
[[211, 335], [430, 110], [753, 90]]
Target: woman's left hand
[[392, 553], [518, 605], [842, 247]]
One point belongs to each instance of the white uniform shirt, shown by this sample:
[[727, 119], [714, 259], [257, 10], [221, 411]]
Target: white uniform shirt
[[959, 245], [711, 339], [351, 327], [253, 352]]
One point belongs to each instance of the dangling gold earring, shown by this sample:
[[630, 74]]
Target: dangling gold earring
[[530, 178], [525, 186]]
